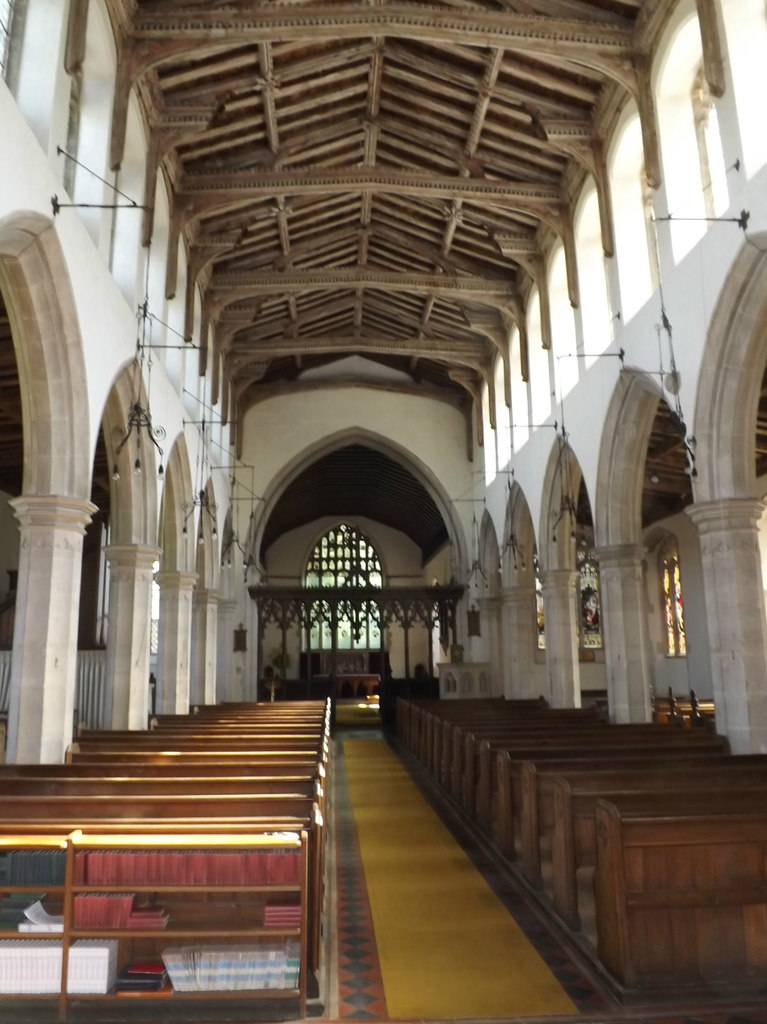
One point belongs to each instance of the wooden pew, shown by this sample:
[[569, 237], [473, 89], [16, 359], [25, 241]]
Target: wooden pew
[[516, 770], [573, 798], [680, 894], [611, 741]]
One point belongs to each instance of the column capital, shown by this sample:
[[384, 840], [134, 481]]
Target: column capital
[[204, 596], [176, 580], [53, 510], [617, 556], [551, 579], [726, 514], [132, 556]]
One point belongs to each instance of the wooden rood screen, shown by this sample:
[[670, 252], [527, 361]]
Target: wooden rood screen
[[647, 842], [209, 784]]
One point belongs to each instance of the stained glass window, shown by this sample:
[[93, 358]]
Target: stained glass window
[[344, 557], [539, 604], [676, 642], [590, 611]]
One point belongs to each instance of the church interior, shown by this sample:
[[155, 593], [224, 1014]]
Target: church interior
[[383, 439]]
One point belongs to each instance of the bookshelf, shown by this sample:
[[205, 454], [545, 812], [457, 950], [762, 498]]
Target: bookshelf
[[213, 915]]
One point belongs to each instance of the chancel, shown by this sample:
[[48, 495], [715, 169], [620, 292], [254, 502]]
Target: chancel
[[466, 302]]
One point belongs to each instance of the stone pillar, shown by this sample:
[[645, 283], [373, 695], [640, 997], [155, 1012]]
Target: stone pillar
[[490, 612], [560, 613], [204, 634], [229, 687], [735, 613], [520, 640], [174, 644], [625, 633], [44, 669], [130, 621]]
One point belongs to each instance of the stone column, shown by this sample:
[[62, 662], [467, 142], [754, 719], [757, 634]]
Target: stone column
[[625, 633], [174, 645], [130, 622], [490, 611], [229, 687], [560, 613], [735, 613], [520, 641], [204, 634], [44, 669]]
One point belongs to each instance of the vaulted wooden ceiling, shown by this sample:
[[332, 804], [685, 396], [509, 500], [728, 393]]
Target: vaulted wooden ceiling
[[367, 192], [373, 179]]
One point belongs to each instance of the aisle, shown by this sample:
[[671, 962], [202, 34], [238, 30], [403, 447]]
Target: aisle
[[446, 945]]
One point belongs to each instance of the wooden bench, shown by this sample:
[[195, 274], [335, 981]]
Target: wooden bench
[[516, 799], [680, 894], [612, 741], [571, 823]]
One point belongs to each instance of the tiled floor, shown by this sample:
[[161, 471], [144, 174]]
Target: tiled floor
[[360, 995]]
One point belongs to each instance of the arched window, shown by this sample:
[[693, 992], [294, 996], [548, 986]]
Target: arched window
[[539, 603], [710, 156], [590, 611], [344, 557], [630, 198], [673, 607]]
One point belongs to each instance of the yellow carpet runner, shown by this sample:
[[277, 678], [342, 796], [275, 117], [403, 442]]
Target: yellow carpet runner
[[446, 944]]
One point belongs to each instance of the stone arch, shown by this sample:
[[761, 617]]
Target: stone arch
[[730, 381], [490, 555], [620, 471], [520, 533], [52, 377], [134, 499], [207, 558], [177, 494], [556, 547], [422, 473]]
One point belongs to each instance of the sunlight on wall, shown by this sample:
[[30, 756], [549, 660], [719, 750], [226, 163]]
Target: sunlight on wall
[[127, 259], [95, 118], [595, 308], [520, 407], [563, 337], [490, 438], [540, 376], [745, 25], [681, 165], [503, 419], [625, 168]]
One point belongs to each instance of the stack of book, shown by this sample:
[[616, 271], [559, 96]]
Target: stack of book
[[37, 918], [92, 967], [143, 976], [33, 867], [13, 906], [34, 968], [192, 867], [115, 910], [233, 968], [282, 915]]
